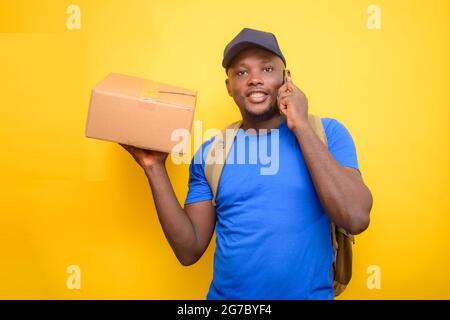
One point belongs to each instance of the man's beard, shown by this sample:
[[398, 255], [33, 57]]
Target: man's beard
[[267, 114]]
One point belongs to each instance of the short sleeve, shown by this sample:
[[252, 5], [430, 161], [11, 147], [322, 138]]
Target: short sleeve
[[340, 143], [199, 189]]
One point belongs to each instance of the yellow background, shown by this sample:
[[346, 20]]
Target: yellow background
[[69, 200]]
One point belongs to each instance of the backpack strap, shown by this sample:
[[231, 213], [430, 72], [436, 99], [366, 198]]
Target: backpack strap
[[217, 155], [316, 124]]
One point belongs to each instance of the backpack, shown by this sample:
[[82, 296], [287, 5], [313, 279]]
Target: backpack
[[342, 240]]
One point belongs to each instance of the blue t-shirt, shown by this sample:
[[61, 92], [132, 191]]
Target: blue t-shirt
[[273, 238]]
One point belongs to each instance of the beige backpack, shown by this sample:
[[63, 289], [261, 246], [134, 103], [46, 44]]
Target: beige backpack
[[341, 239]]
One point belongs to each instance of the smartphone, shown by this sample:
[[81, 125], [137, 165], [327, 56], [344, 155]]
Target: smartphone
[[286, 73]]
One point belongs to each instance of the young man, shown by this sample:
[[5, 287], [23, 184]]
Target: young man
[[273, 231]]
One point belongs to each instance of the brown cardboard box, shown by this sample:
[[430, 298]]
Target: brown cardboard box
[[139, 112]]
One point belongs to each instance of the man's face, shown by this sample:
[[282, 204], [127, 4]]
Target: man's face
[[254, 78]]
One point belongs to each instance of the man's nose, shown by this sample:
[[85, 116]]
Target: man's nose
[[255, 79]]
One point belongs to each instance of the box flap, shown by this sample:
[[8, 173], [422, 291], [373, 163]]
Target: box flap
[[146, 90]]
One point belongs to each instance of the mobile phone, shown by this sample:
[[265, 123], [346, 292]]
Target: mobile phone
[[286, 73]]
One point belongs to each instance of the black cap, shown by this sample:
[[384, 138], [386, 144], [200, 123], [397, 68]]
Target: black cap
[[248, 38]]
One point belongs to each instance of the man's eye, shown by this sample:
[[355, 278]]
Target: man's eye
[[268, 69], [240, 73]]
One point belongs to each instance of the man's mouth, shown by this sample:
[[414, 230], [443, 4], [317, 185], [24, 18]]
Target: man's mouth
[[257, 96]]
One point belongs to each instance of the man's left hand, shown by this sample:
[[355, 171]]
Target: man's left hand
[[293, 103]]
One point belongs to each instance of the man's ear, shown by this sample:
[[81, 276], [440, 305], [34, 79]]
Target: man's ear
[[227, 83]]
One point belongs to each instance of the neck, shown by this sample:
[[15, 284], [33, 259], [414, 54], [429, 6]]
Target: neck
[[270, 124]]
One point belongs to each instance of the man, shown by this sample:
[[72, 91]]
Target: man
[[273, 231]]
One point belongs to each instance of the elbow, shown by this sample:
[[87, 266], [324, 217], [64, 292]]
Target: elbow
[[187, 261], [360, 219], [359, 224]]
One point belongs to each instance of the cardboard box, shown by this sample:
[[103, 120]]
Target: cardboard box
[[139, 112]]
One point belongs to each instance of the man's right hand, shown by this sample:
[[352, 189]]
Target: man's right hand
[[146, 158], [188, 230]]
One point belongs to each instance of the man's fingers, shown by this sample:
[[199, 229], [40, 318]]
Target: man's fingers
[[287, 87], [282, 102], [283, 95], [290, 86], [129, 148], [283, 89]]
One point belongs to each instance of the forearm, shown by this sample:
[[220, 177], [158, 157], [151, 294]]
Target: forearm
[[176, 224], [342, 197]]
